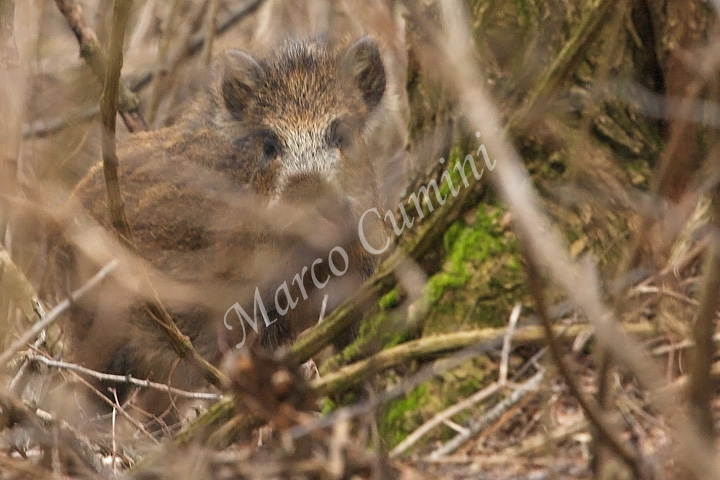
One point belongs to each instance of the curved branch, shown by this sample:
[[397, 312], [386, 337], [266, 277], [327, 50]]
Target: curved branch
[[108, 112], [92, 52]]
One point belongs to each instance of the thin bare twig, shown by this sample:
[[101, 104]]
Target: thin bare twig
[[579, 281], [323, 308], [92, 52], [43, 424], [181, 344], [179, 341], [123, 379], [590, 408], [103, 398], [436, 368], [44, 128], [446, 414], [108, 112], [505, 354], [540, 441], [477, 426], [571, 53], [15, 286], [114, 442], [483, 345], [197, 41], [129, 104], [381, 280], [163, 61], [210, 30], [356, 372], [477, 397], [154, 307], [56, 312]]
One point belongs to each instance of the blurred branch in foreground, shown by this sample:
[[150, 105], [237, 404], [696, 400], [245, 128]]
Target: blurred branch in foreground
[[543, 244], [11, 102], [43, 321], [434, 226], [15, 287], [109, 103]]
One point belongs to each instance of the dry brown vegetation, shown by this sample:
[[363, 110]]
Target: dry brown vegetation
[[560, 324]]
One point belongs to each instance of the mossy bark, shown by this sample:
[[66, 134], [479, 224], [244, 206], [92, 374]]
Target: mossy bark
[[591, 134]]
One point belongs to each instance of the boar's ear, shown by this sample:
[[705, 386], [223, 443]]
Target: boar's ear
[[363, 64], [242, 74]]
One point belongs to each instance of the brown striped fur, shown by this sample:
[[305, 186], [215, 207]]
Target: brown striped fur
[[268, 171]]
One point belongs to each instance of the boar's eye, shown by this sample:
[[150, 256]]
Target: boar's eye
[[270, 148], [339, 135]]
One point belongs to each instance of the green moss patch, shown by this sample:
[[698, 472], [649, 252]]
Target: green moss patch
[[481, 276]]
